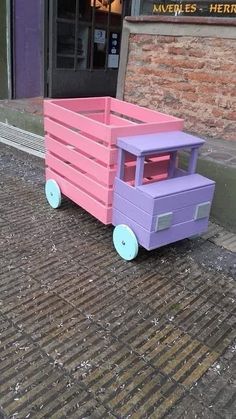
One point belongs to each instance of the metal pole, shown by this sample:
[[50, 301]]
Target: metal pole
[[76, 34], [92, 35], [135, 7], [108, 34], [9, 47]]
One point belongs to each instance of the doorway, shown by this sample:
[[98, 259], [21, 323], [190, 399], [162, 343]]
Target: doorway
[[84, 47], [27, 59]]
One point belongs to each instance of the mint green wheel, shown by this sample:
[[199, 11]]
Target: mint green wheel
[[125, 242], [53, 193]]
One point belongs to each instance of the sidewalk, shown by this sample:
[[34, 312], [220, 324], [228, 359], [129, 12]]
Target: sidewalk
[[23, 113], [85, 334]]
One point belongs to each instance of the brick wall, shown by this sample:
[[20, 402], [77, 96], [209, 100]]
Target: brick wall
[[186, 76]]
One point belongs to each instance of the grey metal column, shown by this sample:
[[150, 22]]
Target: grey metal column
[[9, 48], [135, 7]]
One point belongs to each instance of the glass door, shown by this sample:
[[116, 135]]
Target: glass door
[[84, 47]]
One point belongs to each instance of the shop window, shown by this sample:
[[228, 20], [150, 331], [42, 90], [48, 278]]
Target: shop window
[[88, 34]]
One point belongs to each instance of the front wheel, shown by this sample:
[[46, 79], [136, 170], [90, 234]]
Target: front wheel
[[125, 242]]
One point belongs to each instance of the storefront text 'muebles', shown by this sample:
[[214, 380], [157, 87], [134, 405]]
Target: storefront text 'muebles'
[[212, 8]]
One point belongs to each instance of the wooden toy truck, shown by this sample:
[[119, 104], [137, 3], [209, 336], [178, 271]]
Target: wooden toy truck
[[150, 201]]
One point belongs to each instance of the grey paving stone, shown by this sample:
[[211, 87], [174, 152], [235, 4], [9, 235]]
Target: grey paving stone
[[85, 334]]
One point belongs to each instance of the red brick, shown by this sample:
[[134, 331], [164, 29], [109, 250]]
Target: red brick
[[183, 87], [198, 53], [177, 50], [216, 112], [189, 64], [187, 77], [209, 78], [231, 116], [143, 38], [166, 39], [188, 96]]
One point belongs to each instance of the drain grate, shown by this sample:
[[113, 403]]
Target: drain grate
[[22, 140]]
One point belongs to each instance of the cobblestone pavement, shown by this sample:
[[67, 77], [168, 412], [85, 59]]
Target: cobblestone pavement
[[84, 334]]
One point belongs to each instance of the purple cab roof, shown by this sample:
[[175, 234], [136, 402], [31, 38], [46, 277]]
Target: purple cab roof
[[141, 145]]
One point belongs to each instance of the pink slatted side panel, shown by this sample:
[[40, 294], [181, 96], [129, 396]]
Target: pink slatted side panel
[[93, 148], [96, 116], [81, 147], [82, 180], [77, 195], [82, 162], [79, 156], [77, 121]]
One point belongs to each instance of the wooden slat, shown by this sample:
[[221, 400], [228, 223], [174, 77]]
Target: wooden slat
[[148, 221], [141, 233], [103, 153], [107, 110], [135, 213], [158, 157], [155, 240], [91, 205], [178, 232], [176, 186], [180, 200], [80, 179], [81, 104], [172, 202], [150, 169], [152, 128], [103, 174], [96, 116], [133, 195], [120, 122], [140, 113], [77, 121], [156, 178]]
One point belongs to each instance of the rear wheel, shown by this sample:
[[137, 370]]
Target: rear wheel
[[53, 193], [125, 242]]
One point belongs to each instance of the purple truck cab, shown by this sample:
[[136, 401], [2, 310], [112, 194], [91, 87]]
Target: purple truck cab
[[151, 212]]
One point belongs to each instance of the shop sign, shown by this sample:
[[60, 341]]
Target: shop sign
[[200, 8], [114, 50], [99, 36]]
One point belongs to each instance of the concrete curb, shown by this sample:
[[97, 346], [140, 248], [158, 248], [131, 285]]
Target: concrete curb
[[24, 120], [224, 203]]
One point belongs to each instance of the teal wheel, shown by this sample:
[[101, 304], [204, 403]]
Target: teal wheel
[[125, 242], [53, 193]]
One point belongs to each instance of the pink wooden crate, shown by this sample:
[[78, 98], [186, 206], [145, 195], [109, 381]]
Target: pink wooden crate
[[81, 153]]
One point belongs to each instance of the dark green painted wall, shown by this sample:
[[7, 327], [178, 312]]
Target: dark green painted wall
[[3, 51], [224, 203]]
